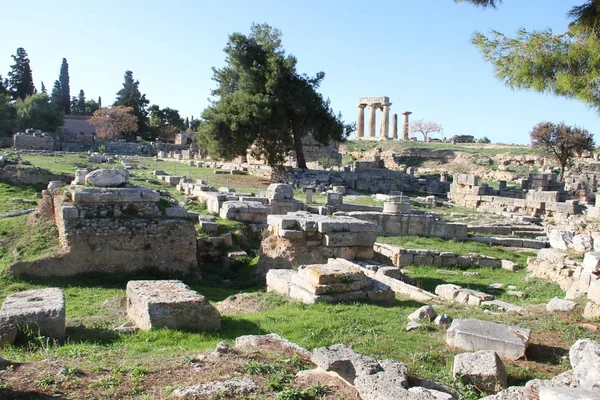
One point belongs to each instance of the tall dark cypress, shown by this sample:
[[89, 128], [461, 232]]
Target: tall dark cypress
[[43, 89], [20, 77], [130, 96], [56, 95], [65, 99]]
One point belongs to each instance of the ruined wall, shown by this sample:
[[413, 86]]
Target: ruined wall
[[33, 141], [78, 128], [30, 175]]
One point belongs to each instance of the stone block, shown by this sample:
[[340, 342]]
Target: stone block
[[331, 288], [291, 234], [583, 243], [69, 213], [42, 311], [509, 265], [8, 332], [584, 357], [209, 227], [471, 334], [447, 291], [483, 369], [567, 393], [280, 191], [345, 362], [425, 313], [559, 239], [169, 304], [333, 272], [501, 305], [175, 212], [591, 262], [280, 280], [591, 310], [555, 304], [107, 177]]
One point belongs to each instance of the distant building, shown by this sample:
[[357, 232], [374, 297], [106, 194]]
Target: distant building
[[77, 128], [185, 137]]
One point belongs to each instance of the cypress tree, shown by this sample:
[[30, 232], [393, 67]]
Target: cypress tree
[[130, 96], [65, 99], [20, 77], [43, 90], [99, 102], [56, 95]]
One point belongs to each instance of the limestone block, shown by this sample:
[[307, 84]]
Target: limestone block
[[567, 393], [8, 332], [345, 362], [333, 272], [282, 221], [583, 243], [425, 313], [388, 384], [341, 239], [591, 310], [291, 234], [69, 213], [483, 369], [432, 394], [175, 212], [559, 239], [447, 291], [280, 191], [351, 285], [107, 177], [591, 262], [40, 310], [552, 255], [280, 280], [229, 387], [509, 265], [502, 305], [209, 227], [169, 304], [555, 304], [79, 177], [471, 334], [381, 293], [584, 357], [303, 295]]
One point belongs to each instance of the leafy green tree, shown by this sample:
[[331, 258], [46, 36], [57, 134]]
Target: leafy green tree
[[20, 77], [561, 141], [8, 114], [186, 123], [263, 103], [165, 122], [37, 111], [4, 85], [78, 104], [65, 87], [130, 96], [91, 106], [562, 64], [194, 124]]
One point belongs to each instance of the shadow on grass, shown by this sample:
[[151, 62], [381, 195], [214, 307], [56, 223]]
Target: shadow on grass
[[430, 284], [546, 354], [7, 394]]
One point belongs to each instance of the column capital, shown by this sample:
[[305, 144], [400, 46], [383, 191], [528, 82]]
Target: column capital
[[387, 104], [407, 113], [362, 105]]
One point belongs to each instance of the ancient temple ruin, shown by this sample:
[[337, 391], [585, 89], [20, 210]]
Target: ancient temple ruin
[[382, 103]]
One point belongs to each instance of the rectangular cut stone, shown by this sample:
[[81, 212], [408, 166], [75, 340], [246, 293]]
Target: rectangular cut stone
[[280, 280], [591, 262], [472, 334], [42, 311], [323, 274], [83, 194], [169, 304], [331, 288], [303, 295], [594, 291]]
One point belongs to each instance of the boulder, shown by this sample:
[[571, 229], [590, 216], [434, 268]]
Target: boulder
[[509, 265], [591, 310], [252, 342], [555, 304], [8, 332], [567, 393], [559, 239], [107, 177], [594, 291], [280, 191], [591, 262], [425, 313], [584, 356], [443, 319], [472, 334], [345, 362], [42, 311], [483, 369], [389, 383], [230, 387], [512, 393], [583, 243]]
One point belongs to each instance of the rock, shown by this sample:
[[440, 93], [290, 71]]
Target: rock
[[559, 239], [483, 369], [471, 334], [252, 342], [591, 262], [502, 305], [223, 348], [583, 243], [591, 310], [584, 356], [428, 384], [389, 383], [512, 393], [516, 293], [425, 313], [235, 386], [594, 291], [567, 393], [411, 326], [127, 327], [107, 177], [42, 311], [175, 212], [280, 191], [425, 393], [169, 304], [509, 265], [8, 333], [443, 319], [345, 362], [555, 304]]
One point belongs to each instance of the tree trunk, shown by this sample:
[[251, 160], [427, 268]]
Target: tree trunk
[[298, 147]]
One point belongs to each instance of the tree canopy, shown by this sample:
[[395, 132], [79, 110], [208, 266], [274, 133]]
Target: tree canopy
[[115, 122], [263, 103], [165, 122], [65, 88], [20, 77], [425, 128], [130, 96], [36, 111], [563, 64]]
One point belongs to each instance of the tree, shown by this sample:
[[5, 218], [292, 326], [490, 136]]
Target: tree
[[65, 87], [78, 104], [130, 96], [43, 89], [99, 101], [114, 122], [8, 115], [37, 111], [165, 122], [425, 128], [91, 106], [561, 141], [186, 123], [263, 103], [484, 140], [56, 94], [561, 64], [20, 77], [194, 124], [4, 85]]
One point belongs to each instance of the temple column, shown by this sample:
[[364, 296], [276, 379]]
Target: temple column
[[374, 108], [405, 125], [385, 122], [360, 124], [395, 126]]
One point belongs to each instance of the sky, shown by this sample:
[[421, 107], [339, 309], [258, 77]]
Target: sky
[[416, 52]]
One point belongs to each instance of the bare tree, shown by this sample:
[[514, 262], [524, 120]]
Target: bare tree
[[114, 122], [562, 141], [425, 128]]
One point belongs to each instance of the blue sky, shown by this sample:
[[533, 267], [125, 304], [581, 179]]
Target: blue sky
[[417, 52]]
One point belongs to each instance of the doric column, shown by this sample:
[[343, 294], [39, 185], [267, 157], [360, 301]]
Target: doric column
[[385, 121], [360, 123], [395, 126], [374, 108], [405, 125]]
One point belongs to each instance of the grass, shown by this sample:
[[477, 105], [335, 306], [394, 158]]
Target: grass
[[475, 148]]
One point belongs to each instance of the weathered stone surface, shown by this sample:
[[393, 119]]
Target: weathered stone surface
[[280, 191], [323, 274], [591, 262], [594, 291], [235, 386], [280, 280], [471, 334], [512, 393], [344, 361], [583, 243], [107, 177], [443, 319], [509, 265], [40, 310], [411, 326], [389, 383], [176, 212], [169, 304], [252, 342], [502, 305], [331, 288], [555, 304], [559, 239], [591, 310], [425, 313], [584, 357], [457, 294], [8, 332], [567, 393], [424, 393], [483, 369]]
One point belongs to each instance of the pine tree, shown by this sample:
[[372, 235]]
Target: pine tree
[[43, 90], [130, 96], [63, 78], [20, 77], [187, 123], [99, 102], [79, 103], [3, 85], [56, 95]]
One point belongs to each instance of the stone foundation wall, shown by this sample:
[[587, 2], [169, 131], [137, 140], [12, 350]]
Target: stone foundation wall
[[33, 142], [30, 175]]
